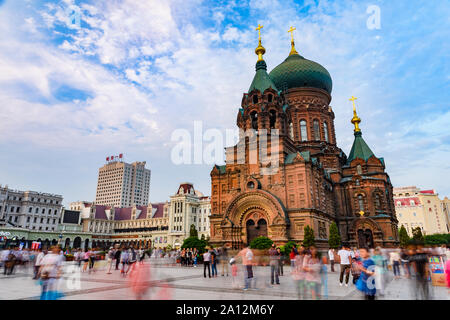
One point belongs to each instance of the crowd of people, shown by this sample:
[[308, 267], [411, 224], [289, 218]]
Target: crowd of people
[[370, 269]]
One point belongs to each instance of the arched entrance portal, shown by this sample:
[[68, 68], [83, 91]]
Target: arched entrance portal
[[77, 242], [365, 238], [255, 230]]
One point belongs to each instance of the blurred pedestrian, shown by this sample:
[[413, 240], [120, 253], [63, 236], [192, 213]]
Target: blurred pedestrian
[[311, 265], [345, 264], [213, 263], [395, 262], [111, 254], [224, 260], [280, 262], [366, 282], [206, 263], [274, 265], [50, 272], [331, 258], [419, 261]]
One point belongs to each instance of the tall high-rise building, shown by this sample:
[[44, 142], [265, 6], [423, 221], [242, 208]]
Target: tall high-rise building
[[122, 184]]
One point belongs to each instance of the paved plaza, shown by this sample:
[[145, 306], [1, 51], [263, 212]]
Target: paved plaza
[[187, 283]]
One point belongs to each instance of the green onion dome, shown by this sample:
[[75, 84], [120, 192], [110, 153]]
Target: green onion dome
[[298, 72]]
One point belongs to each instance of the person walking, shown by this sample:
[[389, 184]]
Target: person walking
[[395, 262], [214, 263], [206, 263], [404, 260], [117, 255], [311, 265], [299, 274], [280, 262], [50, 273], [379, 271], [38, 263], [111, 254], [345, 264], [366, 283], [224, 260], [124, 259], [419, 261], [331, 258], [92, 256], [274, 265], [292, 256]]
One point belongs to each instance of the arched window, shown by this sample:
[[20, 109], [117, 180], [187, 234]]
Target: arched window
[[255, 99], [291, 131], [303, 131], [254, 117], [377, 202], [270, 97], [361, 202], [325, 131], [359, 169], [316, 130], [273, 118]]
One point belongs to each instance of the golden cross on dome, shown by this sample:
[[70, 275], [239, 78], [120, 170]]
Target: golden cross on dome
[[352, 99], [293, 51], [260, 50], [259, 31], [291, 30], [355, 120]]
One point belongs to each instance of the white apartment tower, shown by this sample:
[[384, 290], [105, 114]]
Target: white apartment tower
[[122, 184]]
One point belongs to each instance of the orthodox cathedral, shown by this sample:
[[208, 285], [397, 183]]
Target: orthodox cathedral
[[313, 183]]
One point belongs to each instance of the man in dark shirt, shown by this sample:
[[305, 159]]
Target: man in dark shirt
[[274, 257], [419, 261]]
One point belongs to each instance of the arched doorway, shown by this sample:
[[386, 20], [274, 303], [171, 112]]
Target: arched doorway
[[255, 230], [77, 242], [67, 243], [365, 238], [86, 244]]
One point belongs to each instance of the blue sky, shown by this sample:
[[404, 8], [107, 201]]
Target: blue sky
[[134, 71]]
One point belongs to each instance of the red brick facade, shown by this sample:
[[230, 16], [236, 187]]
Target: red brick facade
[[314, 184]]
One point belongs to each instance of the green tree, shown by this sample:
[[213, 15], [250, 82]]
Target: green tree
[[202, 237], [308, 239], [334, 239], [193, 232], [194, 242], [261, 243], [286, 249], [417, 236], [403, 236]]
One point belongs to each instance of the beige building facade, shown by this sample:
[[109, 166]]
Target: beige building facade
[[421, 208]]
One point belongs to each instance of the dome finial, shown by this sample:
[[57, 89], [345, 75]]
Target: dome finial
[[355, 120], [260, 50], [293, 51]]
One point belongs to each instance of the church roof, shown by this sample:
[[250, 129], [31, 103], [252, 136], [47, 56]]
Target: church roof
[[291, 156], [360, 149], [222, 169], [261, 80], [296, 71]]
